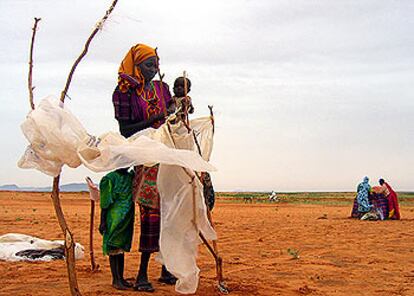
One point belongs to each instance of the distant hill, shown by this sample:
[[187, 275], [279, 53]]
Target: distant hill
[[71, 187], [11, 187]]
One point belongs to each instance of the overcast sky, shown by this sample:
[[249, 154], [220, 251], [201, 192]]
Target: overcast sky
[[308, 95]]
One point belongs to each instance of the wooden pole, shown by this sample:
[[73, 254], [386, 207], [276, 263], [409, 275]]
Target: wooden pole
[[69, 241], [94, 266], [164, 104], [187, 122], [94, 196], [30, 78]]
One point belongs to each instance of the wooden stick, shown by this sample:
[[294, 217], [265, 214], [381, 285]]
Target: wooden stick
[[85, 49], [30, 79], [94, 266], [212, 117], [185, 96], [69, 242], [164, 104], [92, 189]]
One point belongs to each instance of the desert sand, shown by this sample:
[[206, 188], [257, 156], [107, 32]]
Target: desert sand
[[337, 255]]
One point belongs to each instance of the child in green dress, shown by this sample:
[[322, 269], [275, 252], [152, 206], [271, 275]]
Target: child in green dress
[[117, 222]]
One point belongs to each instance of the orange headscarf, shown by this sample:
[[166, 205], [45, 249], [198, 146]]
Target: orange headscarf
[[129, 66]]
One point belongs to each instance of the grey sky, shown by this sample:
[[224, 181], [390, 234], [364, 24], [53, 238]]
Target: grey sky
[[308, 95]]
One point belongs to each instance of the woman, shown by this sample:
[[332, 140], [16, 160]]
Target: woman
[[391, 195], [140, 103], [361, 203]]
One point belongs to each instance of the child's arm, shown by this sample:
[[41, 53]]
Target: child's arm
[[105, 187], [190, 105], [102, 225]]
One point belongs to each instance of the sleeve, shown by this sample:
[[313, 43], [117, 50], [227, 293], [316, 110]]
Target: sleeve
[[105, 186], [166, 93], [122, 104]]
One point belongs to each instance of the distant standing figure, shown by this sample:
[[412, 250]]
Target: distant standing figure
[[273, 197]]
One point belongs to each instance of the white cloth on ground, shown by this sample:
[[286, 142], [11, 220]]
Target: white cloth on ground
[[12, 243]]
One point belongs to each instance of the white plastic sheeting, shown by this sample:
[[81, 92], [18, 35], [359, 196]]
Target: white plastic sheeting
[[183, 209], [12, 243], [56, 138]]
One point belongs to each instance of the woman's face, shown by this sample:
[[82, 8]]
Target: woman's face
[[148, 68]]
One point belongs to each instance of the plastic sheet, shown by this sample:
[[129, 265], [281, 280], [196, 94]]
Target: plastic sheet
[[57, 138], [183, 209], [12, 243]]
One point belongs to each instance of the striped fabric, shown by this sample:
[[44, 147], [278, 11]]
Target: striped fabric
[[377, 200]]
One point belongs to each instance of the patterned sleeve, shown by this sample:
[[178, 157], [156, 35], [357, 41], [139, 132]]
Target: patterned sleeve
[[122, 106], [166, 93], [105, 186]]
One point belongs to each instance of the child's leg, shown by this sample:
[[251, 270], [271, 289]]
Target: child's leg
[[116, 264], [121, 267]]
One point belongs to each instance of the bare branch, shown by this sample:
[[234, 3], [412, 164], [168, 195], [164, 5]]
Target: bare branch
[[69, 241], [85, 49], [30, 78]]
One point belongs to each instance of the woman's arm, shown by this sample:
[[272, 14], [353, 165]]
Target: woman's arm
[[127, 128]]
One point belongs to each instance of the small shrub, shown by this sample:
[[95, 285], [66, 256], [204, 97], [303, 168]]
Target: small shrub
[[293, 253]]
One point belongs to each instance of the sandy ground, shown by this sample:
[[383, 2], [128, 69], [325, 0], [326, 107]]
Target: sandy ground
[[338, 256]]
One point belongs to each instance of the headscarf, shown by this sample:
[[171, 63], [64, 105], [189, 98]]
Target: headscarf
[[129, 72]]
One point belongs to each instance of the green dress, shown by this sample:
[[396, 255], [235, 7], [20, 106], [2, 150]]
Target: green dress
[[116, 198]]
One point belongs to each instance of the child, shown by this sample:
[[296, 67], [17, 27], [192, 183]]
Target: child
[[182, 103], [117, 222]]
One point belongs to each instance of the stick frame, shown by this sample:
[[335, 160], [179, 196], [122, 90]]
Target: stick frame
[[69, 241]]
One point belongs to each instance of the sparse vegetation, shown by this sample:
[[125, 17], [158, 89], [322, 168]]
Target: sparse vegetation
[[294, 253], [311, 198]]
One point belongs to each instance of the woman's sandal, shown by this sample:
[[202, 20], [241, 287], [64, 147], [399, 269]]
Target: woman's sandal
[[127, 284], [168, 280], [144, 287]]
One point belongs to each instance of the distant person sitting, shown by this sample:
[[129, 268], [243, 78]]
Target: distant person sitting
[[361, 203], [392, 198]]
